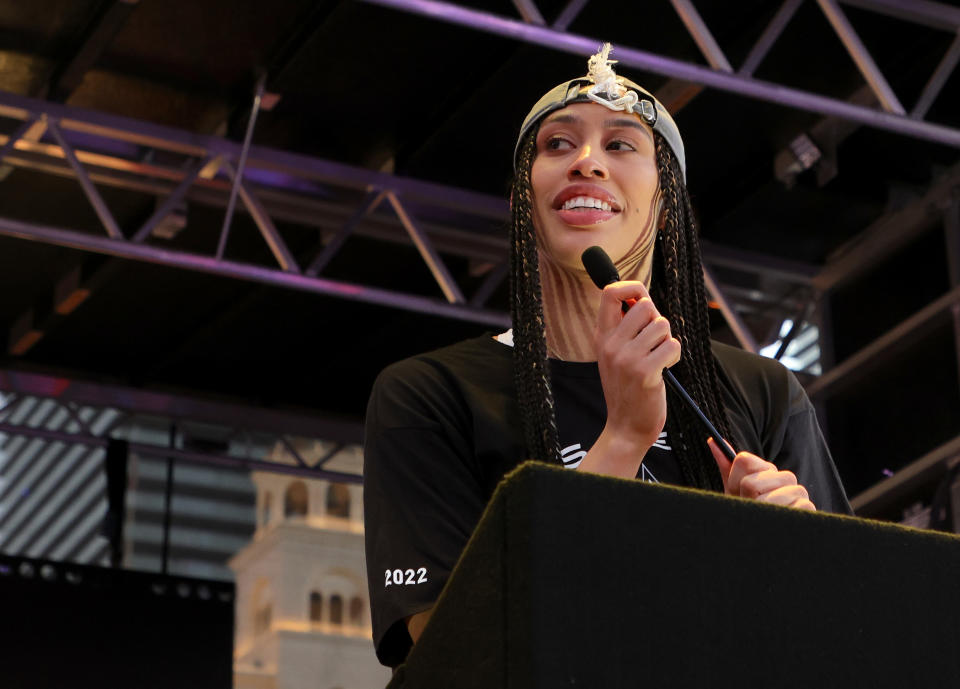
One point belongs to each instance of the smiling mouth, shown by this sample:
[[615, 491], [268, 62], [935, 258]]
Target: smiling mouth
[[585, 203]]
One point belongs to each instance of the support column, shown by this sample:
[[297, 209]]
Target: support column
[[951, 229]]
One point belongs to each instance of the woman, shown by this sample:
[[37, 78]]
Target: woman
[[576, 382]]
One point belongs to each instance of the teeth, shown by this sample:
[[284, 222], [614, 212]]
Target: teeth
[[586, 202]]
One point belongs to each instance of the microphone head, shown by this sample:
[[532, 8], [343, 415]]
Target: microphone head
[[599, 267]]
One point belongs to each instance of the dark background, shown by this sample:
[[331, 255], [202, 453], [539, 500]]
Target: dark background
[[404, 94]]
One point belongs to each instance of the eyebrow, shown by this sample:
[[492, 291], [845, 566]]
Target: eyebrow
[[608, 124]]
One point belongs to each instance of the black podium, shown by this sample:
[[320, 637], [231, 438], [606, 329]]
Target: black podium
[[576, 580]]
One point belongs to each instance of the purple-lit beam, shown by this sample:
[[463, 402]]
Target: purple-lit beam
[[658, 64], [251, 273], [183, 455], [116, 128], [19, 385]]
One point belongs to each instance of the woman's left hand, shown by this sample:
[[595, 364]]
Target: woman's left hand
[[749, 476]]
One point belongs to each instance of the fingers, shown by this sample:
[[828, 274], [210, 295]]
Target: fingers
[[763, 482], [723, 463], [789, 496], [745, 464], [625, 289], [611, 311], [750, 476]]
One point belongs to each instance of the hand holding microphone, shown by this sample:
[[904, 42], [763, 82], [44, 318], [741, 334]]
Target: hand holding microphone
[[654, 330], [630, 326]]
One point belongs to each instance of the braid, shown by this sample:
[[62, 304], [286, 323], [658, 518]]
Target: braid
[[530, 373], [678, 290]]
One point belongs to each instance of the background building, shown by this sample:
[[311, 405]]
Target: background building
[[303, 614]]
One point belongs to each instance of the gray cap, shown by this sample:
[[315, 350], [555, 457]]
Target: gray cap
[[648, 108]]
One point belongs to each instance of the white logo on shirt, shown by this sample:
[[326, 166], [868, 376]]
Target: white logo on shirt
[[662, 442], [647, 475], [401, 577], [572, 455]]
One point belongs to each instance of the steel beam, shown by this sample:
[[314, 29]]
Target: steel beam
[[570, 12], [490, 283], [172, 200], [117, 129], [98, 36], [937, 80], [437, 267], [756, 263], [241, 165], [7, 402], [133, 401], [292, 450], [369, 203], [329, 454], [251, 273], [888, 234], [262, 219], [701, 35], [75, 415], [861, 56], [951, 232], [923, 471], [164, 452], [12, 140], [739, 328], [936, 15], [529, 11], [862, 361], [106, 217], [658, 64], [769, 37], [291, 207], [32, 130]]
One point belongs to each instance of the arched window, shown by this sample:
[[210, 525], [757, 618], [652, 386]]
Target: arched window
[[316, 607], [336, 609], [338, 500], [356, 611], [262, 607], [261, 619], [267, 505], [296, 502]]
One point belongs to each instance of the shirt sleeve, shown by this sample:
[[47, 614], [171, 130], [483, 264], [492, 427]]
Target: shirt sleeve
[[804, 451], [422, 497], [773, 418]]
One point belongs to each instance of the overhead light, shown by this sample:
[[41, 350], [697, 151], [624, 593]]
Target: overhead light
[[802, 352]]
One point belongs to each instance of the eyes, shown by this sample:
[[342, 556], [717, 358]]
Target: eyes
[[559, 143]]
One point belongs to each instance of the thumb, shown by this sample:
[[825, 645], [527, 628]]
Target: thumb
[[722, 462]]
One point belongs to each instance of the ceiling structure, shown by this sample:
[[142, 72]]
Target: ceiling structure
[[245, 210]]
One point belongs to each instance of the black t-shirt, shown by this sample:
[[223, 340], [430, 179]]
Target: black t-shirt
[[444, 427], [582, 413]]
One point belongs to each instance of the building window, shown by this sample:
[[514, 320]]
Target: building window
[[356, 611], [316, 607], [296, 502], [262, 607], [267, 500], [336, 609], [261, 619], [338, 500]]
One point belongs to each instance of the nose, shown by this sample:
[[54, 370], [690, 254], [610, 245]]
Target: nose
[[587, 164]]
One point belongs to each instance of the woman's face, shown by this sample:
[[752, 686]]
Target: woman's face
[[594, 182]]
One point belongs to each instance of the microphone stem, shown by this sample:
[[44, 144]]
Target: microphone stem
[[672, 381]]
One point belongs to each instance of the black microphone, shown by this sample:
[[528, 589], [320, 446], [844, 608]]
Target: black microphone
[[602, 271]]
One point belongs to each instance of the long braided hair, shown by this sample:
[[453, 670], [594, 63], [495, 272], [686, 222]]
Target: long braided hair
[[676, 288]]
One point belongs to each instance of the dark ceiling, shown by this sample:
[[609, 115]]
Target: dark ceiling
[[403, 94]]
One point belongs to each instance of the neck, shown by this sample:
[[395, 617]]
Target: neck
[[571, 301]]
